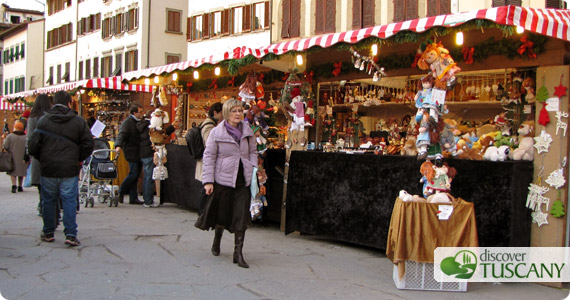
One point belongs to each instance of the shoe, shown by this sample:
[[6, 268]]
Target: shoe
[[20, 189], [121, 198], [47, 237], [14, 189], [72, 241], [150, 205], [137, 202]]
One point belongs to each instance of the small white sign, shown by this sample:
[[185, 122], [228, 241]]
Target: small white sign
[[552, 104], [438, 97], [444, 212], [97, 128], [527, 109]]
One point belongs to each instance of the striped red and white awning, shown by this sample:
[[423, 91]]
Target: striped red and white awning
[[549, 22], [68, 86], [115, 83], [5, 105]]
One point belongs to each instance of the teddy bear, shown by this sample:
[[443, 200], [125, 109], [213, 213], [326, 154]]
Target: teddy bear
[[528, 85], [494, 153], [438, 198], [437, 59], [158, 117], [525, 150], [447, 140], [405, 196], [409, 147]]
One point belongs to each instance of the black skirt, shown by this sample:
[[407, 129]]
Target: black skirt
[[227, 207]]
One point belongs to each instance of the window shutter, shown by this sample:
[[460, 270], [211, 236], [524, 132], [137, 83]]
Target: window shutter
[[136, 60], [368, 8], [411, 9], [23, 50], [188, 29], [432, 9], [177, 21], [170, 20], [330, 16], [357, 14], [286, 19], [226, 21], [206, 26], [514, 2], [497, 3], [95, 67], [399, 9], [553, 4], [320, 16], [267, 15], [247, 16], [444, 7], [295, 18]]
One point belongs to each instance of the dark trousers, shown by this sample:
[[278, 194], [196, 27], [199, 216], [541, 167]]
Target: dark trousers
[[129, 185]]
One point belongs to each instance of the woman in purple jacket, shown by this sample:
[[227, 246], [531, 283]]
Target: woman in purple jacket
[[229, 159]]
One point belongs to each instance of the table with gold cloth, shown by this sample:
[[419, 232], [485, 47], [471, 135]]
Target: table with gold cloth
[[415, 231]]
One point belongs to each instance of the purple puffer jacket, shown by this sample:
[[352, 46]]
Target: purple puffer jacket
[[222, 155]]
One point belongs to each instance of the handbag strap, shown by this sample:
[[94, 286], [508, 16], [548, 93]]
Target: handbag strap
[[55, 135]]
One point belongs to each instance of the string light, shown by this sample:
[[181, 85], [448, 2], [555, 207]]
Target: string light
[[374, 49], [146, 81], [156, 79], [217, 71], [175, 76], [196, 75], [520, 29], [299, 59], [459, 38]]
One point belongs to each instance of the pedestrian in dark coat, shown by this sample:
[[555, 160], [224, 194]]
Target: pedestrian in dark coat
[[129, 141]]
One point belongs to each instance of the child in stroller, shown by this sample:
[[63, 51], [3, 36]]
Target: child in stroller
[[97, 175]]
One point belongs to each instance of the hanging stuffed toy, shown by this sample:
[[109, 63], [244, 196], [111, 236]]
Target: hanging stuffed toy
[[437, 59], [247, 91]]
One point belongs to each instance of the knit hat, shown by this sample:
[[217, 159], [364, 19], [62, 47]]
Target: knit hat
[[26, 114], [18, 126]]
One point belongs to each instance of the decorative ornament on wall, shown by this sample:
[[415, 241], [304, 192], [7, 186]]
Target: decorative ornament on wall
[[557, 209], [556, 178], [560, 124], [535, 197], [367, 64], [560, 90], [539, 218], [542, 142]]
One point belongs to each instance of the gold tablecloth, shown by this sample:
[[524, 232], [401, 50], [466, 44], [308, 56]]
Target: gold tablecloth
[[415, 231]]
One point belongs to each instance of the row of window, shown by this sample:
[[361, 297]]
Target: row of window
[[14, 53], [54, 6], [14, 85], [89, 24], [234, 20], [59, 36], [119, 23]]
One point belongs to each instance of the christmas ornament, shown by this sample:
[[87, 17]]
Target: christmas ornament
[[559, 123], [535, 197], [365, 63], [468, 54], [542, 94], [337, 67], [560, 90], [557, 209], [527, 47], [543, 118], [539, 218], [556, 178], [542, 142]]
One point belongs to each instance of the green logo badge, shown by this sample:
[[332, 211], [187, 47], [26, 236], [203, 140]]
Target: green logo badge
[[463, 264]]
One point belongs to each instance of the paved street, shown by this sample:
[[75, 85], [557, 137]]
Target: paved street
[[131, 252]]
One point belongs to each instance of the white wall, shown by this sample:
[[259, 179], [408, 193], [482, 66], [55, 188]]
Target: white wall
[[62, 54], [35, 55], [161, 41]]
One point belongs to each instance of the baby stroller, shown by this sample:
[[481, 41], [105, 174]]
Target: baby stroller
[[98, 172]]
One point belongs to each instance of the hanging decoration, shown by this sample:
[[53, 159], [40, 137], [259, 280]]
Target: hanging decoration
[[542, 142], [560, 90], [539, 218], [232, 81], [437, 59], [556, 178], [542, 94], [535, 197], [417, 58], [557, 209], [309, 76], [367, 64], [468, 54], [543, 118], [560, 124], [337, 67], [527, 46]]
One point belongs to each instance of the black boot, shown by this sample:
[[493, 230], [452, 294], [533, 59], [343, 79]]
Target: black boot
[[217, 239], [14, 188], [238, 256]]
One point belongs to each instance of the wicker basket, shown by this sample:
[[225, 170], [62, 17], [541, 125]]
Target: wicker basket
[[419, 276]]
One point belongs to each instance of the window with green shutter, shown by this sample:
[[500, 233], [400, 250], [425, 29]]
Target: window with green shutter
[[23, 52], [17, 52]]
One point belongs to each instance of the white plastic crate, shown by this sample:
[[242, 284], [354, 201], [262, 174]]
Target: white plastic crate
[[419, 276]]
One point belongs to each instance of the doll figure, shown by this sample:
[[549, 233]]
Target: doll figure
[[158, 118], [423, 139], [329, 127], [298, 114], [248, 89], [447, 140], [437, 59]]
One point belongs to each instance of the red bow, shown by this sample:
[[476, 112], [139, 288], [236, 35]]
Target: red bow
[[260, 77], [309, 76], [188, 86], [284, 78], [214, 84], [232, 81], [336, 70], [416, 60], [237, 52], [526, 46], [468, 54]]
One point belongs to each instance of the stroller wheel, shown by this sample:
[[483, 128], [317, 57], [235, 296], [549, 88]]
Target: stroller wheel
[[91, 201], [116, 200], [110, 201]]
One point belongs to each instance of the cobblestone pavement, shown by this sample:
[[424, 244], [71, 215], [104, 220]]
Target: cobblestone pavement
[[131, 252]]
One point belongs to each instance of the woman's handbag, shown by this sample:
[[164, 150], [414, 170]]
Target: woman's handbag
[[6, 161]]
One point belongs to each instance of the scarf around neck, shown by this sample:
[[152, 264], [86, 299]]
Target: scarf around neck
[[235, 132]]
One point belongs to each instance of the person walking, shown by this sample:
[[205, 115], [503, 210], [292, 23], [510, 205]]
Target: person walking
[[15, 143], [129, 140], [229, 159], [214, 117], [41, 105], [60, 142]]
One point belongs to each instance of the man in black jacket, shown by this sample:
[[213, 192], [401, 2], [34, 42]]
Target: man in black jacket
[[129, 140], [60, 142]]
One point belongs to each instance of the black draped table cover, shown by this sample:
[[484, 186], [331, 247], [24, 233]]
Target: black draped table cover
[[182, 188], [350, 197]]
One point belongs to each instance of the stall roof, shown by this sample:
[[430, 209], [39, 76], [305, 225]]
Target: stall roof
[[548, 22], [110, 83]]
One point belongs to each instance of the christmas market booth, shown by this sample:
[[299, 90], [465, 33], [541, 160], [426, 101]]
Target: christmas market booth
[[468, 108]]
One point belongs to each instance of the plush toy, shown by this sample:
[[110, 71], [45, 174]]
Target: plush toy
[[439, 198], [468, 153], [486, 129], [405, 196], [525, 150], [528, 84], [494, 153], [437, 59], [423, 139], [247, 91], [409, 147], [158, 118], [447, 140]]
